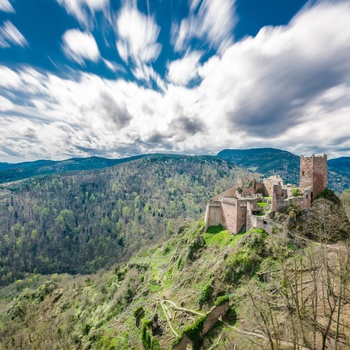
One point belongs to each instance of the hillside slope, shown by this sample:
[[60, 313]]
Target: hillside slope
[[283, 290], [83, 221], [270, 161]]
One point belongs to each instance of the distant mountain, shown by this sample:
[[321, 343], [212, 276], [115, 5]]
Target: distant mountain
[[269, 161], [340, 164], [12, 172]]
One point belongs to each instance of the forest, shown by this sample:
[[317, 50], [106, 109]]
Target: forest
[[82, 221]]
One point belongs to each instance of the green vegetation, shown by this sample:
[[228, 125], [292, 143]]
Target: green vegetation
[[221, 300], [218, 236], [286, 290], [271, 281], [193, 332], [262, 204], [296, 192], [81, 222]]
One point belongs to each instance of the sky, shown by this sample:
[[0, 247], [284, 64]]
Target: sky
[[117, 78]]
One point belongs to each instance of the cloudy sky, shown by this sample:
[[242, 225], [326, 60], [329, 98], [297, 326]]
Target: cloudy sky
[[117, 78]]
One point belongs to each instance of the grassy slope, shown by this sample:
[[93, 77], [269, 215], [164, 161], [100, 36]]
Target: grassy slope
[[259, 273]]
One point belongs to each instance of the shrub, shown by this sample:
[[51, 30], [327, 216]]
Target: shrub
[[194, 332], [205, 295], [296, 192], [221, 300]]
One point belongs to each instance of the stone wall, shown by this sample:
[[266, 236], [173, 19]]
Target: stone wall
[[233, 214], [213, 316], [212, 214], [320, 174], [262, 222], [313, 173], [211, 319]]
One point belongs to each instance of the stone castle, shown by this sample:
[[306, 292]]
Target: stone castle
[[245, 205]]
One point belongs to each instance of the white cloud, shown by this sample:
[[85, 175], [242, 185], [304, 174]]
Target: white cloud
[[9, 78], [6, 6], [183, 70], [80, 46], [281, 89], [82, 9], [9, 35], [113, 66], [137, 36], [148, 74], [214, 23], [5, 104]]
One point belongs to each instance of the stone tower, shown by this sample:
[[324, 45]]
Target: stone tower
[[313, 174]]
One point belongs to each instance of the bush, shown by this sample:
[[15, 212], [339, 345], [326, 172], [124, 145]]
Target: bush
[[296, 192], [221, 300], [246, 260], [205, 295], [194, 332]]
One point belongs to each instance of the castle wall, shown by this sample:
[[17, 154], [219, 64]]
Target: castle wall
[[233, 214], [261, 222], [313, 173], [268, 184], [213, 214], [320, 174]]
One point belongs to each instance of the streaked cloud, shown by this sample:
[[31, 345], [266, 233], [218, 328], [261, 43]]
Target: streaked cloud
[[83, 10], [183, 70], [80, 46], [137, 36], [6, 6], [5, 104], [113, 66], [210, 20], [287, 87], [10, 35]]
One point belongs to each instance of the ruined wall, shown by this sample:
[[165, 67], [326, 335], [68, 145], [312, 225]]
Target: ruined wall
[[249, 213], [262, 222], [268, 184], [313, 173], [233, 214], [320, 174], [306, 172], [213, 214], [213, 316]]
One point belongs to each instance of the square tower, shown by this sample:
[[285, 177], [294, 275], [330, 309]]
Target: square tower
[[313, 174]]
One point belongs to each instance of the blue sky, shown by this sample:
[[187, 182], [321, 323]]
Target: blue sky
[[120, 78]]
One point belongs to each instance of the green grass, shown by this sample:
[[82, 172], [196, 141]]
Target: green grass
[[217, 235], [262, 204]]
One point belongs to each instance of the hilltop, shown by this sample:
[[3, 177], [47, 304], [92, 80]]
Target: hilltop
[[265, 161], [282, 289]]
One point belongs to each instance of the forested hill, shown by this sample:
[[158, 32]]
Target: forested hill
[[13, 172], [271, 161], [80, 222]]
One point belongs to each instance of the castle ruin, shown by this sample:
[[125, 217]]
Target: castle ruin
[[245, 205]]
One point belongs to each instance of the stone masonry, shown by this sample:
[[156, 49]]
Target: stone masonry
[[313, 174], [244, 206]]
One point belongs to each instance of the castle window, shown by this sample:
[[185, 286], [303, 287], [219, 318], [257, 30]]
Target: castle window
[[302, 173], [307, 196]]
